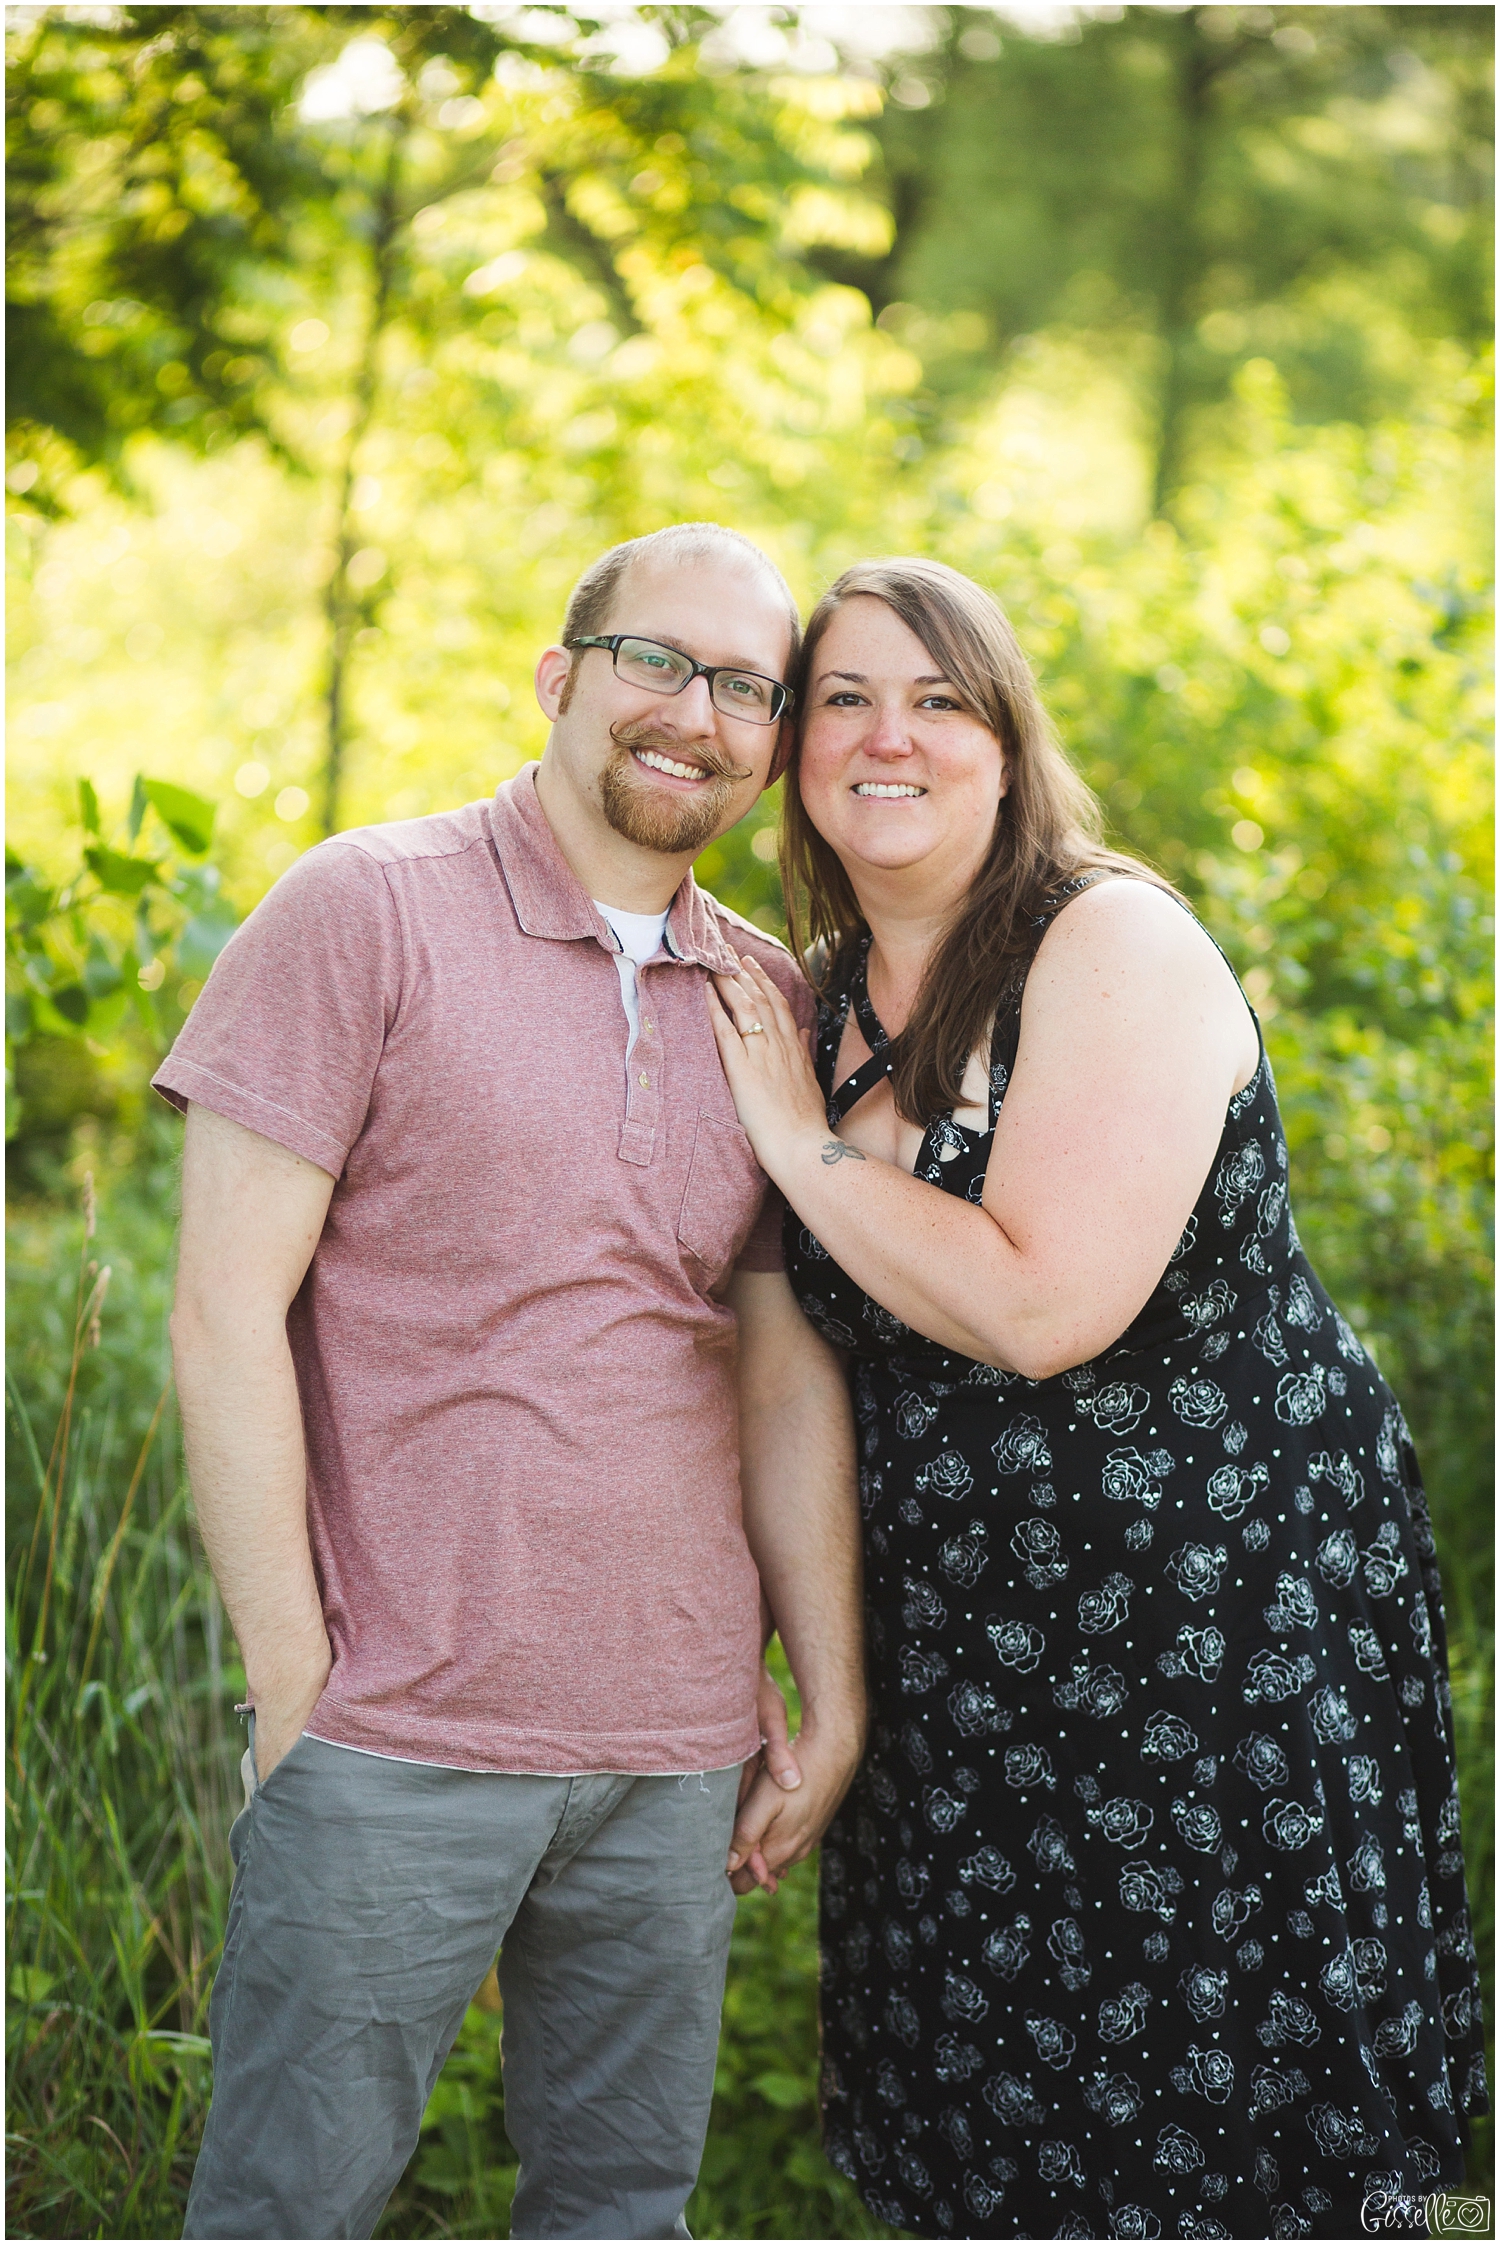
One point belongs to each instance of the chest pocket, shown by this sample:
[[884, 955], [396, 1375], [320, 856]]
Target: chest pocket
[[722, 1197]]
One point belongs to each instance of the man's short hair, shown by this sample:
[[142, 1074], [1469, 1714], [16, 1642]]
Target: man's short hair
[[589, 602]]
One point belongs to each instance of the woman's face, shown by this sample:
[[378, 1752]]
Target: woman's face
[[896, 772]]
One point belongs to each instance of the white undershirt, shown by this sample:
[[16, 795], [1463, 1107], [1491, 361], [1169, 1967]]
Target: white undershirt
[[639, 935]]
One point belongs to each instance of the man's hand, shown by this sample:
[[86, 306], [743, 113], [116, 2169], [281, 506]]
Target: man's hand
[[281, 1713], [776, 1828], [775, 1752]]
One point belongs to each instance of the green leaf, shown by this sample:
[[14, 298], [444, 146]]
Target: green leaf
[[784, 2091], [72, 1002], [88, 806], [137, 806], [25, 895], [18, 1016], [121, 875], [189, 818]]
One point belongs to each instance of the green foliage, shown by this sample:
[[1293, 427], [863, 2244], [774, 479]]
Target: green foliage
[[121, 944], [509, 304], [1193, 188], [120, 1764], [177, 175]]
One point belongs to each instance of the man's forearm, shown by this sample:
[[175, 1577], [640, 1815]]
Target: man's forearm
[[801, 1522], [252, 1215], [801, 1510], [798, 1481], [242, 1428]]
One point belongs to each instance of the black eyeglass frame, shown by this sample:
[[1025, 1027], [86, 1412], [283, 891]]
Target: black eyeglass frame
[[710, 671]]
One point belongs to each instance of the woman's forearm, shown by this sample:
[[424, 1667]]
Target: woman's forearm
[[944, 1267]]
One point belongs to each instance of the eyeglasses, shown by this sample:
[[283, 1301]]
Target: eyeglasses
[[666, 670]]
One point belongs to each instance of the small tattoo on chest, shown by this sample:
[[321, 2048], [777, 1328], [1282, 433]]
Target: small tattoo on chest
[[834, 1150]]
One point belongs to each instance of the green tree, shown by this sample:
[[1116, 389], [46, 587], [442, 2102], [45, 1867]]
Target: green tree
[[180, 179], [1202, 185]]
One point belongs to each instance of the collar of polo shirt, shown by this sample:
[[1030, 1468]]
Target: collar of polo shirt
[[550, 900]]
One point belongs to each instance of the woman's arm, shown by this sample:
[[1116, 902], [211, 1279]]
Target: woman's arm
[[1134, 1037]]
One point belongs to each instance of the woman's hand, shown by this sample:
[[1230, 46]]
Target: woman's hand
[[774, 1829], [767, 1064]]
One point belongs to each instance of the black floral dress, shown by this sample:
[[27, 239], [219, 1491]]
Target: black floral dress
[[1145, 1916]]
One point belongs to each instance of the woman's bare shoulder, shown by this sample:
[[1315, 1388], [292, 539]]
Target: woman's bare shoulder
[[1129, 957], [1120, 916]]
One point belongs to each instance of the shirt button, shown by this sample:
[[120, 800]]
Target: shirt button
[[645, 1028], [646, 1083]]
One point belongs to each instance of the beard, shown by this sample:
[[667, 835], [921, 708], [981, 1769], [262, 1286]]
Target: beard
[[673, 825]]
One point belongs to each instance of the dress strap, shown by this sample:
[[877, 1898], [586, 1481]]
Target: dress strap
[[874, 1071]]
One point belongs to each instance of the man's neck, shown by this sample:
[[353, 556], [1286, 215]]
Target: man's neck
[[607, 867]]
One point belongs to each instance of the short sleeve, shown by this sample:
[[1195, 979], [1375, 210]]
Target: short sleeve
[[288, 1031], [763, 1250]]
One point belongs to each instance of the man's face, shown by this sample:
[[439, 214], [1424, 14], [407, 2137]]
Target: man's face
[[669, 772]]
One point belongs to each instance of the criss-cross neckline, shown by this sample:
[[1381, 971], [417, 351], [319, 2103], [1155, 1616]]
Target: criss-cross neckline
[[881, 1065], [878, 1067]]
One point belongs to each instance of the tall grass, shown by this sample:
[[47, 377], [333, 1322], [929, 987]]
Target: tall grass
[[122, 1782], [118, 1777]]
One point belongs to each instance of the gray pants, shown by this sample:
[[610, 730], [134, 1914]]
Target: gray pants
[[369, 1899]]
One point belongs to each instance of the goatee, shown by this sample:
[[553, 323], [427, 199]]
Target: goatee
[[674, 825]]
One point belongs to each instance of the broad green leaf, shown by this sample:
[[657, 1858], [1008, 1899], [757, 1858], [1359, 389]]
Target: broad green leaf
[[121, 875], [88, 806], [18, 1016], [137, 807], [188, 818], [27, 898], [72, 1002]]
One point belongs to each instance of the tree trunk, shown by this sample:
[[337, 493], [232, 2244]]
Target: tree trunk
[[1198, 65], [340, 599]]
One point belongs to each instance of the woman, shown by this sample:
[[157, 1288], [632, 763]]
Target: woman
[[1146, 1914]]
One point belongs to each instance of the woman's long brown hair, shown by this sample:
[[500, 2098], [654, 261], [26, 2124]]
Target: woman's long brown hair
[[1048, 829]]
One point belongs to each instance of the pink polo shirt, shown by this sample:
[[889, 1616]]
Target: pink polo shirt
[[517, 1376]]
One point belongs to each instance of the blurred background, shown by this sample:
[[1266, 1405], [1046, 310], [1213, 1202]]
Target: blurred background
[[341, 338]]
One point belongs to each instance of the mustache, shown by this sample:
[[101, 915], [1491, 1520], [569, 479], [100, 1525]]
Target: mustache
[[707, 753]]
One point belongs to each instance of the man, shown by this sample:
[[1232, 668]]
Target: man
[[481, 1337]]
